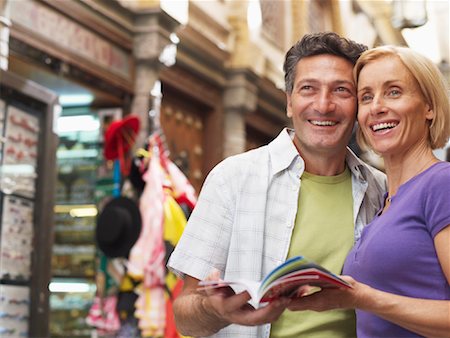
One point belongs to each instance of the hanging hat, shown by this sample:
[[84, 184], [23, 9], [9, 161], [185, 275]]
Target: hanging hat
[[119, 138], [118, 227], [135, 175]]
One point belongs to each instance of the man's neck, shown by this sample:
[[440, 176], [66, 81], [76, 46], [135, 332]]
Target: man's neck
[[321, 165]]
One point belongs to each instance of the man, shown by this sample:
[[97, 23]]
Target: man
[[304, 193]]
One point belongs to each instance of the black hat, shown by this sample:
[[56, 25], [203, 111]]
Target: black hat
[[118, 227]]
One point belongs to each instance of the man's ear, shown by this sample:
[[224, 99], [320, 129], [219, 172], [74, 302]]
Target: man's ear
[[288, 105]]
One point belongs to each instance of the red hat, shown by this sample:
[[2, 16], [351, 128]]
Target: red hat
[[119, 138]]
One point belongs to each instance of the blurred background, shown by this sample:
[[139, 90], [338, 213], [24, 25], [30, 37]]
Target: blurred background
[[205, 76]]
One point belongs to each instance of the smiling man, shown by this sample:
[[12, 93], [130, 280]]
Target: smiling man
[[305, 193]]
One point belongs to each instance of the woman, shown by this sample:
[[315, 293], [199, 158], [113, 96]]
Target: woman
[[400, 267]]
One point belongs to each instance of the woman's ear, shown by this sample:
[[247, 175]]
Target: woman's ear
[[430, 113]]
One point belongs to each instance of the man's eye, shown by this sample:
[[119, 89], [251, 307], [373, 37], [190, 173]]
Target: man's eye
[[305, 87], [342, 89]]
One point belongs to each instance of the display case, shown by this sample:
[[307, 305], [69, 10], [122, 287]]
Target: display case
[[27, 173], [74, 249]]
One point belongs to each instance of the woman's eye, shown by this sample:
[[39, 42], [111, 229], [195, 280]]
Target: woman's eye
[[365, 98], [394, 92]]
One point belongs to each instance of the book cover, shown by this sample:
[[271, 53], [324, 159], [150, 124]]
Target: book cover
[[283, 281]]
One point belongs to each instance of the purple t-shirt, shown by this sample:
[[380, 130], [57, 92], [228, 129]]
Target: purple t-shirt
[[396, 251]]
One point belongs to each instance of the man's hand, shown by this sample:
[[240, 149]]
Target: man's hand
[[234, 308], [202, 313]]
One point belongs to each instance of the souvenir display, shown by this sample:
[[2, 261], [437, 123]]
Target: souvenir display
[[150, 227], [16, 238], [27, 164], [14, 311], [20, 151]]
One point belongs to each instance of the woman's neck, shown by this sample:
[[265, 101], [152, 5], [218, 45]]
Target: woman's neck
[[400, 169]]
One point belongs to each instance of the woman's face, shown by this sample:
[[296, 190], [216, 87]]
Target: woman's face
[[392, 111]]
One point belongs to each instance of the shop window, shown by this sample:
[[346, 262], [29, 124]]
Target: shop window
[[73, 261]]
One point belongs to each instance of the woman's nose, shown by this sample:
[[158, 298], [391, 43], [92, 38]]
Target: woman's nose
[[377, 106]]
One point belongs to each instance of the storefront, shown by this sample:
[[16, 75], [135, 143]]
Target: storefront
[[96, 62]]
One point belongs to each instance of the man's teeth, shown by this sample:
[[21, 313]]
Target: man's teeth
[[323, 123], [380, 126]]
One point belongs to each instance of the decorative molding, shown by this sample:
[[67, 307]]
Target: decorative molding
[[214, 31], [21, 39], [186, 82], [51, 27], [201, 56], [106, 17]]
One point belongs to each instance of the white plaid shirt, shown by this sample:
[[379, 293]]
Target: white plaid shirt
[[243, 221]]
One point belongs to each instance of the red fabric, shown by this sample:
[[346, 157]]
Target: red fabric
[[119, 138], [171, 329]]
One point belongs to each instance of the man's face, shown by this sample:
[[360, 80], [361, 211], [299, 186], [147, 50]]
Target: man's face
[[322, 105]]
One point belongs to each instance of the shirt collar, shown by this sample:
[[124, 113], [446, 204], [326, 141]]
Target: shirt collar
[[356, 165], [282, 151]]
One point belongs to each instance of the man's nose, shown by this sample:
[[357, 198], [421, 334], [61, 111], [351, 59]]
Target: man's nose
[[324, 103]]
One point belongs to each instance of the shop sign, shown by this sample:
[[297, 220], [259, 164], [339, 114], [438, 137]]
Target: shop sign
[[70, 35]]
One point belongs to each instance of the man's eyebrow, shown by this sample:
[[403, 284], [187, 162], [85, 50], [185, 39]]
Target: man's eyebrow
[[313, 80], [344, 81]]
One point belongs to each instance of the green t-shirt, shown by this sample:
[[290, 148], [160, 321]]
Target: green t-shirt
[[324, 233]]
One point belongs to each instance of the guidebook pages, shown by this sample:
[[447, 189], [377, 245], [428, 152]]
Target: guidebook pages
[[283, 281]]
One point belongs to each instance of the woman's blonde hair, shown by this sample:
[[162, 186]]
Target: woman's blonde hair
[[430, 80]]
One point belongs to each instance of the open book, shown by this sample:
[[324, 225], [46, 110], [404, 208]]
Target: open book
[[283, 281]]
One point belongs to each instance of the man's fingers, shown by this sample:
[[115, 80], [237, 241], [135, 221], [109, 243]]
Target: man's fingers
[[263, 315], [236, 301], [213, 275]]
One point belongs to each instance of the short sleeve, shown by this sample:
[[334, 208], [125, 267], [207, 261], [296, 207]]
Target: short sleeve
[[205, 240], [437, 201]]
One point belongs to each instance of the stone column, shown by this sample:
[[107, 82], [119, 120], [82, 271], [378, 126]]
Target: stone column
[[5, 23], [240, 95], [299, 19], [380, 13], [153, 28], [240, 99]]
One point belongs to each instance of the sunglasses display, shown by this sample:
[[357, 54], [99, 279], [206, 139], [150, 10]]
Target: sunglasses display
[[17, 238], [14, 311], [20, 152], [27, 165]]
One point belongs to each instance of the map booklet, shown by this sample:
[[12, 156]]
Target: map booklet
[[283, 281]]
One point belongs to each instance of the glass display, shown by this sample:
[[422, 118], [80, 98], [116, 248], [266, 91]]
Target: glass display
[[70, 301], [74, 250]]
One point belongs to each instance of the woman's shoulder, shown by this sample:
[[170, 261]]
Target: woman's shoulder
[[436, 178], [440, 169]]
